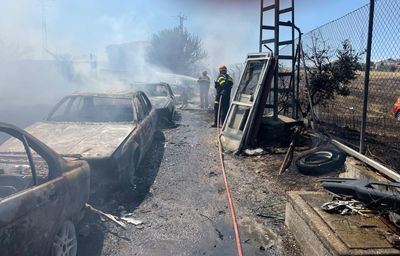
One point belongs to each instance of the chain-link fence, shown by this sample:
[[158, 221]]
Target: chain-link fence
[[341, 114]]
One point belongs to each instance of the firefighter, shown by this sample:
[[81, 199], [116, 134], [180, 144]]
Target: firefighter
[[223, 86], [204, 84]]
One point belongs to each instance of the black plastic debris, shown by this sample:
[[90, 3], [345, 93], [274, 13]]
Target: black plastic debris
[[372, 193]]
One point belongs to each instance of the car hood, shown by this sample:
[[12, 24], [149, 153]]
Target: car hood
[[89, 140], [160, 101]]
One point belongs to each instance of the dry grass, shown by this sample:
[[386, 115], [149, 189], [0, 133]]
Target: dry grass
[[344, 113]]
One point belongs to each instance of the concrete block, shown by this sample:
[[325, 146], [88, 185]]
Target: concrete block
[[321, 233], [305, 237], [355, 169]]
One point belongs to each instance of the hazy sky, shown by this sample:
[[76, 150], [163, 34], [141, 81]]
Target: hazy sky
[[229, 28]]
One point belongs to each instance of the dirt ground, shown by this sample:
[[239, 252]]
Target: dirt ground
[[180, 198]]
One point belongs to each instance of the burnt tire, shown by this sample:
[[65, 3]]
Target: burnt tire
[[320, 162]]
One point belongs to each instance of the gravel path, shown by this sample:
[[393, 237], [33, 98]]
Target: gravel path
[[181, 200]]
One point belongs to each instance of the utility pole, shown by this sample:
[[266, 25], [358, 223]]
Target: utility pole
[[44, 26], [276, 53], [44, 5], [182, 19]]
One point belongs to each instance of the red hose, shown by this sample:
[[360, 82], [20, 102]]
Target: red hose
[[228, 192]]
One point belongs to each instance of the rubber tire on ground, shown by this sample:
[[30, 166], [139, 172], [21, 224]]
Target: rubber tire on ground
[[320, 162], [62, 240]]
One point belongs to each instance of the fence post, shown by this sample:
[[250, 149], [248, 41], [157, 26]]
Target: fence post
[[276, 53], [261, 24], [366, 80]]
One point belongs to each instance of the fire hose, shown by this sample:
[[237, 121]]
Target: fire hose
[[227, 190]]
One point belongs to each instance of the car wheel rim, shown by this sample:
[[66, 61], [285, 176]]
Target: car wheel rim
[[65, 242], [319, 157]]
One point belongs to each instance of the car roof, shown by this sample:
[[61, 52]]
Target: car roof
[[111, 94], [145, 84]]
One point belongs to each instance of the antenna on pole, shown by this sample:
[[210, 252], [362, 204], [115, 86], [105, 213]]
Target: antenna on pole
[[44, 5], [182, 19], [44, 25]]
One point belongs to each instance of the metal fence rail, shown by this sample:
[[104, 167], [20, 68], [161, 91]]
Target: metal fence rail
[[342, 116]]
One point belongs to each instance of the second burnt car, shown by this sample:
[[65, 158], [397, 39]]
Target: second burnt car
[[112, 131], [161, 96], [42, 196]]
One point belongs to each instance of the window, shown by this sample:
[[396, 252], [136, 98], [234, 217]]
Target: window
[[94, 109], [62, 110], [76, 104], [13, 157], [161, 90], [146, 104], [139, 109], [15, 169], [41, 167], [239, 118], [250, 78], [155, 90]]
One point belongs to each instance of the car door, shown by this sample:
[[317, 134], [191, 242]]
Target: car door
[[30, 212], [145, 121], [152, 114], [140, 132]]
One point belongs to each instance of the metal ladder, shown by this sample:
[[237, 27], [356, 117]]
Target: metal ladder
[[275, 10]]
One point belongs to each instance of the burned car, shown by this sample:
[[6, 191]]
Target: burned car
[[42, 196], [162, 98], [112, 131]]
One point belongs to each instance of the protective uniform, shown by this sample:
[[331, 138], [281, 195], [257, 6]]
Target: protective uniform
[[223, 86], [204, 83]]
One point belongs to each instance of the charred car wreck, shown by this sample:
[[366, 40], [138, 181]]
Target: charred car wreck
[[42, 196], [162, 98], [112, 131]]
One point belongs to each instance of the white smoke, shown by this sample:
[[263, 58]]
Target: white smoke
[[31, 77]]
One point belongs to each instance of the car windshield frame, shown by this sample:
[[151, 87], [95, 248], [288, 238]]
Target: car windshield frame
[[111, 118], [145, 89]]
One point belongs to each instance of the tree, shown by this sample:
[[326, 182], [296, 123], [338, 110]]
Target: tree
[[330, 73], [176, 49]]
